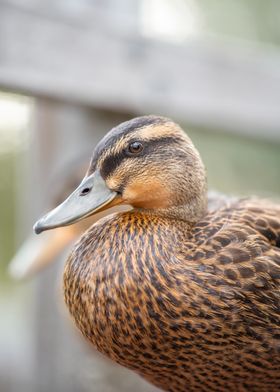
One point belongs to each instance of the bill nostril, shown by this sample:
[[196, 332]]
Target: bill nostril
[[85, 191]]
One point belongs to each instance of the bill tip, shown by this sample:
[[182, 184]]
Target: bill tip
[[37, 228]]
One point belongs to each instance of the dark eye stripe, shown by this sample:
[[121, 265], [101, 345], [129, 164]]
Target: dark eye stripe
[[111, 162]]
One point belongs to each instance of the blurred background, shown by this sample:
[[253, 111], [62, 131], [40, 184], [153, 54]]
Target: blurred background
[[71, 70]]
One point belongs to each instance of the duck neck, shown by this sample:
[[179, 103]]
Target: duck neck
[[191, 212]]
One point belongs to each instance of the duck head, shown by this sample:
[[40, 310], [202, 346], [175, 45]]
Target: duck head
[[148, 163]]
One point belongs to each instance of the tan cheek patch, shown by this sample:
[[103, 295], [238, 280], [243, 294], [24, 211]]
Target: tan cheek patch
[[148, 194], [113, 182]]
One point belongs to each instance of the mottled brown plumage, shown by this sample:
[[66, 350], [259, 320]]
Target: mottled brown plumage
[[186, 296]]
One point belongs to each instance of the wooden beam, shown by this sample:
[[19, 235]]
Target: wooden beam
[[208, 84]]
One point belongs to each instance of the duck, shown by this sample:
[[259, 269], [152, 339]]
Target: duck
[[185, 295]]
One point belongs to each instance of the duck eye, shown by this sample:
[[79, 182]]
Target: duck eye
[[135, 147]]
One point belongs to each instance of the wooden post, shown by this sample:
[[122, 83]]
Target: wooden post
[[62, 133]]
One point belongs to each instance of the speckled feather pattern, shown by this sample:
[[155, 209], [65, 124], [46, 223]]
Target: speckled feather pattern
[[188, 307]]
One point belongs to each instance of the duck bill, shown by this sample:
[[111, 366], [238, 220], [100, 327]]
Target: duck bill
[[91, 196]]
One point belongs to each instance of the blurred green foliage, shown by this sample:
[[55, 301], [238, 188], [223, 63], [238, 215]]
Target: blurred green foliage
[[7, 210], [239, 165], [254, 20]]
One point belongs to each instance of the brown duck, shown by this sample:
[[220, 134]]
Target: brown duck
[[186, 296]]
